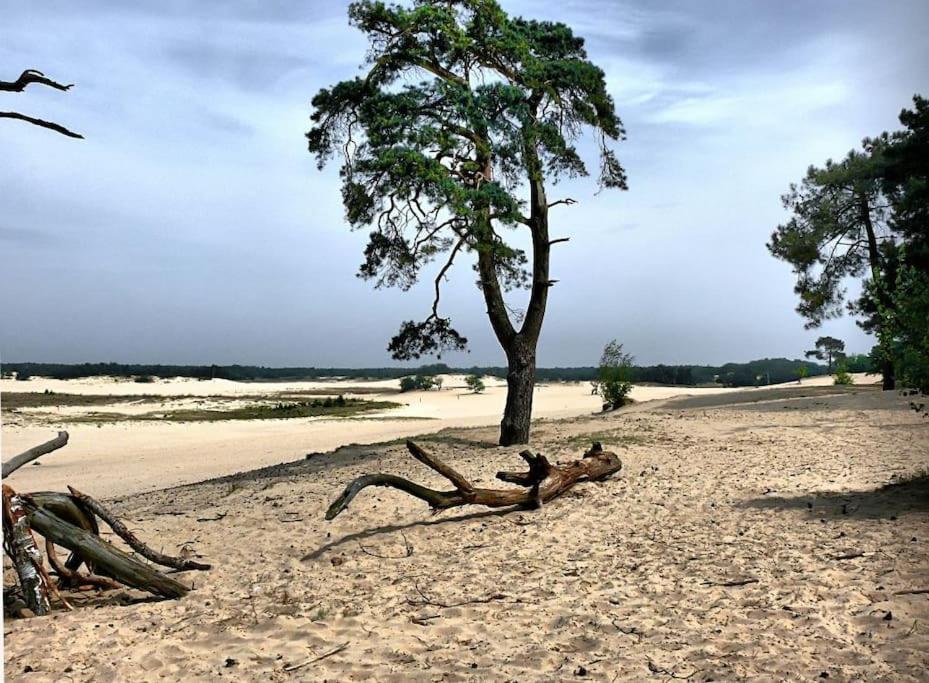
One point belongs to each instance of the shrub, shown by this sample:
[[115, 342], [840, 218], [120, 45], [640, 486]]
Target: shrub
[[475, 383], [842, 377], [613, 376], [144, 379], [418, 383]]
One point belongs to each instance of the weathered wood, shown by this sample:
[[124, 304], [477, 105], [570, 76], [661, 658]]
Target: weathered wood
[[72, 511], [18, 461], [123, 532], [106, 557], [20, 545], [543, 480], [72, 578]]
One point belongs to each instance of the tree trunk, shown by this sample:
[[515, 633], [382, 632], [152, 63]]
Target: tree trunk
[[888, 377], [520, 381]]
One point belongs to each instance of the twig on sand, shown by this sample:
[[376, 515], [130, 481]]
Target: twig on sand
[[331, 652], [219, 516], [913, 591], [426, 600], [855, 554], [408, 550], [731, 584], [655, 669]]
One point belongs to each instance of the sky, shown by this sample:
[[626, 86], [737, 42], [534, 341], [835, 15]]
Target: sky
[[192, 226]]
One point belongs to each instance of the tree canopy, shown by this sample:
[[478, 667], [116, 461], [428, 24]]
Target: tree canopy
[[868, 216], [461, 109]]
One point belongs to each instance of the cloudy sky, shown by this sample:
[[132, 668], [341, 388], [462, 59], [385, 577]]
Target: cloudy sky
[[191, 226]]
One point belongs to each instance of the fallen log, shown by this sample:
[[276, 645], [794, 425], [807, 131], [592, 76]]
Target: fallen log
[[543, 482], [70, 521], [107, 558], [18, 461]]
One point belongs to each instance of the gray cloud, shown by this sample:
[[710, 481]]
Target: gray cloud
[[192, 226]]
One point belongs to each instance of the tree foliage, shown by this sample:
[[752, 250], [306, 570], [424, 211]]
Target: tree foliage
[[475, 383], [462, 107], [614, 376], [868, 216], [828, 349]]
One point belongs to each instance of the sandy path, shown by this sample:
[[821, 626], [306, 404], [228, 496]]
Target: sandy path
[[622, 580]]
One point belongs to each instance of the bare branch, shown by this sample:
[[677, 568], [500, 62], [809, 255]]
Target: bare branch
[[28, 77], [41, 123], [567, 202], [18, 461]]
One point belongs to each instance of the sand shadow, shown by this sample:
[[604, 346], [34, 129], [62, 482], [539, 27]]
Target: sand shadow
[[891, 500], [390, 528]]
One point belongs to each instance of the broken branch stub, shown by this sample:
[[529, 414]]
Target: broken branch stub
[[544, 481]]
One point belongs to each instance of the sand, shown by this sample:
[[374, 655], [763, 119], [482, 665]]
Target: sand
[[121, 458], [748, 536]]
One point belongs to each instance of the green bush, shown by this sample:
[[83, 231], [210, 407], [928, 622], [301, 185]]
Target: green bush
[[614, 376], [842, 377], [418, 383], [475, 383]]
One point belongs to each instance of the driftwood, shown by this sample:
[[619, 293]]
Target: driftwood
[[70, 521], [20, 545], [18, 461], [106, 557], [120, 529], [543, 482]]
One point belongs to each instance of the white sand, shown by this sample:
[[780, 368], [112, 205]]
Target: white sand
[[620, 580], [129, 457]]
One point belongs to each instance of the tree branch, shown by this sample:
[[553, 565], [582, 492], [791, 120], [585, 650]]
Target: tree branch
[[41, 123], [18, 461], [30, 76]]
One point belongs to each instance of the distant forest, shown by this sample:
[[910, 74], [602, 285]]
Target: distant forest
[[753, 373]]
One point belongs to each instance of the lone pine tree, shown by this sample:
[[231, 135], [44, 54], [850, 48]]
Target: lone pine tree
[[464, 117]]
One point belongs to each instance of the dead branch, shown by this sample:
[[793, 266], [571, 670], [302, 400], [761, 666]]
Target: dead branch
[[336, 650], [108, 558], [544, 481], [30, 76], [41, 123], [731, 584], [408, 550], [427, 601], [120, 529], [25, 457]]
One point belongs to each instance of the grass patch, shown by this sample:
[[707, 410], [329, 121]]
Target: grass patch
[[328, 407], [35, 399]]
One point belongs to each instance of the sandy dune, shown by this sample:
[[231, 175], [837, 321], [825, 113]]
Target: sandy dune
[[754, 541], [114, 459]]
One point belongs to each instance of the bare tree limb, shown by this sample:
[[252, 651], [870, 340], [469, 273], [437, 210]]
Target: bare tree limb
[[120, 529], [41, 123], [544, 482], [25, 457], [30, 76]]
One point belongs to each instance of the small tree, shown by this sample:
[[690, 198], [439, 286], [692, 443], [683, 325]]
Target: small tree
[[802, 372], [842, 377], [828, 349], [475, 383], [614, 376]]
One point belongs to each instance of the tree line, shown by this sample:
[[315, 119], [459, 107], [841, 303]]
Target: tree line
[[753, 373]]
